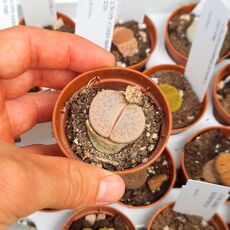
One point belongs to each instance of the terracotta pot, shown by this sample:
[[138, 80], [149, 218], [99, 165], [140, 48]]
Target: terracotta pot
[[216, 220], [67, 20], [180, 69], [96, 210], [224, 129], [173, 52], [220, 113], [153, 37], [172, 177], [117, 79]]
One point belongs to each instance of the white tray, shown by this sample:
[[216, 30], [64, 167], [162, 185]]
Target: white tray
[[54, 221]]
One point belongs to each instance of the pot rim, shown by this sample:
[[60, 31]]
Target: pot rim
[[99, 209], [172, 164], [167, 118], [171, 204], [220, 76], [181, 69], [168, 41], [190, 139]]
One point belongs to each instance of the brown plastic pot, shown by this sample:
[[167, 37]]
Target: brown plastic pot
[[96, 210], [220, 113], [224, 129], [153, 37], [172, 178], [117, 79], [172, 51], [216, 220], [67, 20], [180, 69]]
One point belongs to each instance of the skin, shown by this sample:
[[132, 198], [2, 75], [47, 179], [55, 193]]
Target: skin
[[29, 177]]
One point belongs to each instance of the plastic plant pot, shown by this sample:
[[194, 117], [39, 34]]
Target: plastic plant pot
[[98, 210], [172, 51], [116, 79], [216, 220], [219, 111], [172, 179], [180, 69]]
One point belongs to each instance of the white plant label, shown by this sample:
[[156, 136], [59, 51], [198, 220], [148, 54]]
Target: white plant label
[[39, 13], [39, 134], [206, 46], [132, 10], [199, 7], [201, 199], [8, 13], [96, 20]]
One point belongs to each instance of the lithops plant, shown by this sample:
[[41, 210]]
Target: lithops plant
[[125, 41], [114, 121]]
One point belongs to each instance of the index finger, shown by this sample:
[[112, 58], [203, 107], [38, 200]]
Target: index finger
[[24, 48]]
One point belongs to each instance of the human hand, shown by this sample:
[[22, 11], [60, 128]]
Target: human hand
[[36, 177]]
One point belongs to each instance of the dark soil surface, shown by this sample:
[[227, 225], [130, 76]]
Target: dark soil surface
[[117, 223], [190, 108], [224, 94], [77, 110], [65, 28], [143, 195], [144, 47], [177, 35], [202, 149], [171, 220]]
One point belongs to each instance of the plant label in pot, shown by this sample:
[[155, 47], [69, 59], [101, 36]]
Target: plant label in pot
[[39, 13], [210, 34], [8, 14], [201, 199], [95, 21]]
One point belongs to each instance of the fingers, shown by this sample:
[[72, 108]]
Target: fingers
[[30, 109], [55, 79], [41, 182], [6, 133], [24, 48]]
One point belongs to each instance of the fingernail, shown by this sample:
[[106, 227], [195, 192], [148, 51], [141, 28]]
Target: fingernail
[[111, 189]]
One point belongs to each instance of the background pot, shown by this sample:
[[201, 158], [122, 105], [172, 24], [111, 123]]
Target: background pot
[[67, 20], [172, 51], [117, 79], [223, 129], [172, 178], [216, 221], [153, 37], [220, 113], [180, 69], [96, 210]]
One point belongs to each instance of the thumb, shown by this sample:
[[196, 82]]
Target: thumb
[[31, 182]]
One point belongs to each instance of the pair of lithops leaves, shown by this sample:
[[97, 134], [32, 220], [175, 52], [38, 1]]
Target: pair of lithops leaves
[[125, 41], [218, 170], [173, 96], [116, 119]]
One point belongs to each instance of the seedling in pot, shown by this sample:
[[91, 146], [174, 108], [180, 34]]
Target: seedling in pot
[[149, 186], [113, 129], [181, 30], [131, 41]]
